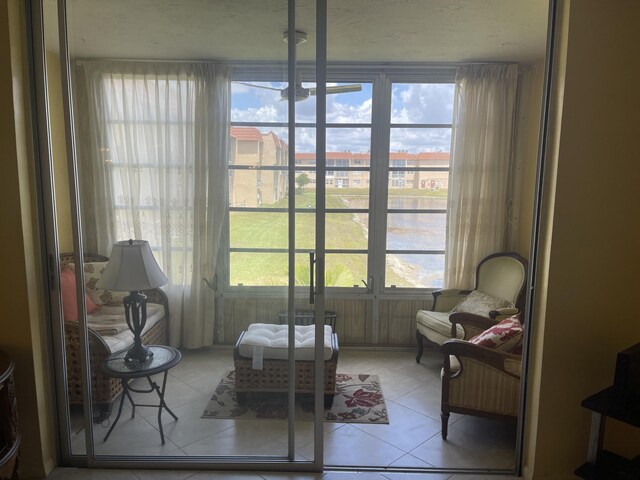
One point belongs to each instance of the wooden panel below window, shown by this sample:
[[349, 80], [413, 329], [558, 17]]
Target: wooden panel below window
[[355, 326]]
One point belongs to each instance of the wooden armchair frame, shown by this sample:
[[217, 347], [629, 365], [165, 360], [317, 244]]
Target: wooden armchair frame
[[487, 382], [445, 300]]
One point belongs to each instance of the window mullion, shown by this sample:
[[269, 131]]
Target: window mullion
[[379, 164]]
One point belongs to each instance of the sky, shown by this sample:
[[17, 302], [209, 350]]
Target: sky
[[411, 103]]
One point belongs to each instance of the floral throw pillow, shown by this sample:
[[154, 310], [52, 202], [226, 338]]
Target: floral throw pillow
[[481, 303], [505, 336], [92, 273]]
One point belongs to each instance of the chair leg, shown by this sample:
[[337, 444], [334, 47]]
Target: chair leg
[[104, 412], [445, 424], [419, 338], [328, 401], [241, 398]]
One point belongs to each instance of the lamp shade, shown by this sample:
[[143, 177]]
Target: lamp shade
[[132, 267]]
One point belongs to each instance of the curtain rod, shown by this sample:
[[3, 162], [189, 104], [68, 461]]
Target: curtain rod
[[272, 64]]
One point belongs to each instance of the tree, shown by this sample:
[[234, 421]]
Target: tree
[[302, 180]]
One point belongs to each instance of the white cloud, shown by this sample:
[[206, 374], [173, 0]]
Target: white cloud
[[415, 103]]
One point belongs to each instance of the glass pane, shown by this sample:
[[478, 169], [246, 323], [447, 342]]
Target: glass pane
[[256, 102], [407, 199], [424, 271], [420, 140], [422, 103], [351, 192], [350, 107], [345, 270], [258, 269], [265, 188], [347, 231], [306, 230], [258, 230], [406, 180], [305, 186], [353, 144], [305, 140], [416, 231]]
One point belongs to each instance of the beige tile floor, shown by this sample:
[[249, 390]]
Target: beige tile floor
[[412, 438]]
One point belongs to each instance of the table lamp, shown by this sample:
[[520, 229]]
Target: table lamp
[[133, 268]]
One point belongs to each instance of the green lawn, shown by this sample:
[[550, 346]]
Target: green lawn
[[270, 230]]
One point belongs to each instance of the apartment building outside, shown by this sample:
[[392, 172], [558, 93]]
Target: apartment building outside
[[252, 185]]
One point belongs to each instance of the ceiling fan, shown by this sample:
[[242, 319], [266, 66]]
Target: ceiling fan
[[302, 93]]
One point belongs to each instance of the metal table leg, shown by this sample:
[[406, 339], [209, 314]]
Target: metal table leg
[[125, 387], [162, 404]]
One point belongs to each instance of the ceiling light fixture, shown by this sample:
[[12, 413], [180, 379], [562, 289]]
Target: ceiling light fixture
[[301, 37]]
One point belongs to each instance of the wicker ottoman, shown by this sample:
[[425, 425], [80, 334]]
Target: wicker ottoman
[[273, 377]]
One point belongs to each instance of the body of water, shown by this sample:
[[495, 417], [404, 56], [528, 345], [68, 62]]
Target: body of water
[[414, 231]]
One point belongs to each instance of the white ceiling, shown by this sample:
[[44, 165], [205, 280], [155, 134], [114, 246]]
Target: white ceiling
[[358, 30]]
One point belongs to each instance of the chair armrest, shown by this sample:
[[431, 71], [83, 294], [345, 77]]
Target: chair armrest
[[98, 348], [499, 360], [502, 313], [445, 299], [156, 295], [471, 323]]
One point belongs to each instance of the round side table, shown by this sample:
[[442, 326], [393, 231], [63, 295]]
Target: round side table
[[164, 358]]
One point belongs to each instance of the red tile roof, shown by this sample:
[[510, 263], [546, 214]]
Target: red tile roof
[[246, 133]]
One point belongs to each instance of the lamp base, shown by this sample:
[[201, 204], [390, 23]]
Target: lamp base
[[138, 353]]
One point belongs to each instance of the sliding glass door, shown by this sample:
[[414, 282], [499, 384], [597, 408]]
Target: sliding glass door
[[190, 146]]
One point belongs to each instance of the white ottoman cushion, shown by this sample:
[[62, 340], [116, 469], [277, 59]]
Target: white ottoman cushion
[[273, 341]]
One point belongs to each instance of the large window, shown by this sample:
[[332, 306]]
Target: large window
[[411, 227]]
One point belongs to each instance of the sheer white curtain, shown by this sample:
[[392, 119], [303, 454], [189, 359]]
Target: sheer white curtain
[[152, 162], [479, 179]]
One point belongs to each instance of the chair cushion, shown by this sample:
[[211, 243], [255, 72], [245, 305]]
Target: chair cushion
[[481, 303], [436, 326], [503, 336], [273, 340], [112, 317]]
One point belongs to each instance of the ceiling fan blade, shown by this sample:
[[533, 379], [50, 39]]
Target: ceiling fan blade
[[259, 86], [345, 88], [339, 89]]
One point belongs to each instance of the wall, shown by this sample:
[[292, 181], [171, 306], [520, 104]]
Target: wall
[[590, 254], [21, 323]]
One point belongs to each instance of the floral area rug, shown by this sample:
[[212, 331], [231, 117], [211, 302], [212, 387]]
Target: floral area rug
[[358, 399]]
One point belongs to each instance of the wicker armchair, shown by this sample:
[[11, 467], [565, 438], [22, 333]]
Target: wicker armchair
[[104, 388], [501, 275], [477, 380]]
